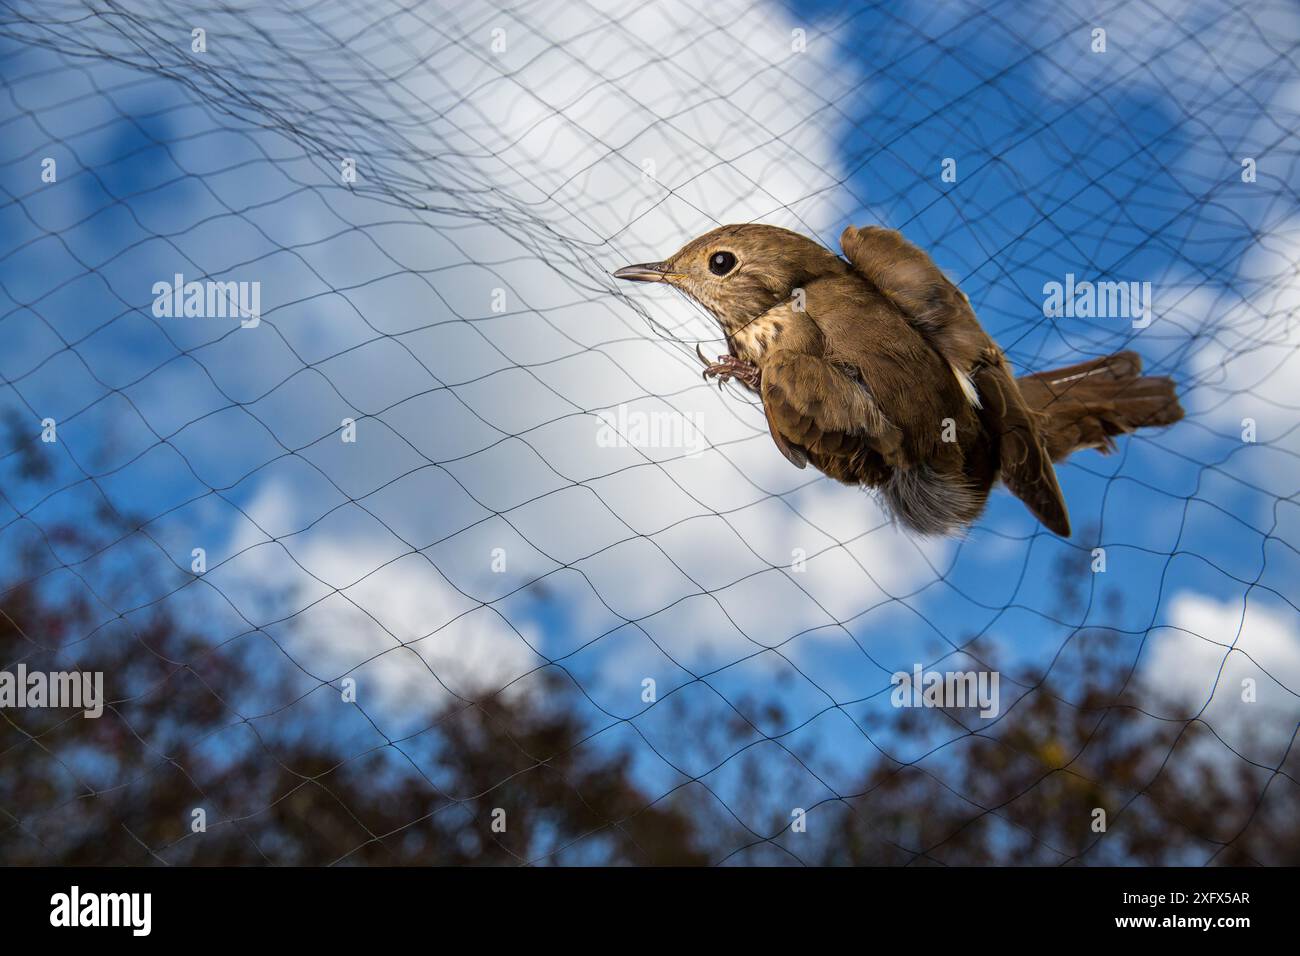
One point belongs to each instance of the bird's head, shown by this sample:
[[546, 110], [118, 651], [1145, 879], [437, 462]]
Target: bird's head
[[739, 272]]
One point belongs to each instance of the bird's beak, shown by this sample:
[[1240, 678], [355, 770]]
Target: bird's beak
[[646, 272]]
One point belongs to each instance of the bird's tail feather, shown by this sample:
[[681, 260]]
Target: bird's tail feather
[[1089, 404]]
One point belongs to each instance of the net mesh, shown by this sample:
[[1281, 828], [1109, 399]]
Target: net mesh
[[446, 553]]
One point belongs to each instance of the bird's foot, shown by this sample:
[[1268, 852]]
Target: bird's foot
[[728, 367]]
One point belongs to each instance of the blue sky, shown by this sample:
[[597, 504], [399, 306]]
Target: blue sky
[[525, 170]]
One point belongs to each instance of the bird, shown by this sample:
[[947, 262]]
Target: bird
[[873, 367]]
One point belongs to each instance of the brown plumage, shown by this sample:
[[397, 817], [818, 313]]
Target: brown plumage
[[877, 371]]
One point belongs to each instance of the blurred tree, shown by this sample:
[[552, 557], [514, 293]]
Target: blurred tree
[[291, 785], [122, 788], [1031, 789]]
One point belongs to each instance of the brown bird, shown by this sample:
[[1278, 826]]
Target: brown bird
[[877, 371]]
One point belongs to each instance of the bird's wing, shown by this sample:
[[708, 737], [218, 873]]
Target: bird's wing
[[942, 314], [793, 453], [815, 407], [934, 306], [1026, 467]]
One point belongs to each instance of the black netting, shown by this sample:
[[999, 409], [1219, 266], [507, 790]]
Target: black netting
[[455, 471]]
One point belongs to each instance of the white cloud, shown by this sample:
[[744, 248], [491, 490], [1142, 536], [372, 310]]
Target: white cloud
[[359, 604], [536, 160], [1200, 660], [1249, 366]]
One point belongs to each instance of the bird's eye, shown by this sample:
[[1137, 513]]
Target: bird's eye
[[720, 263]]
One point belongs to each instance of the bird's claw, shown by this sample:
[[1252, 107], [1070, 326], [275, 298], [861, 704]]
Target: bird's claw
[[728, 367]]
